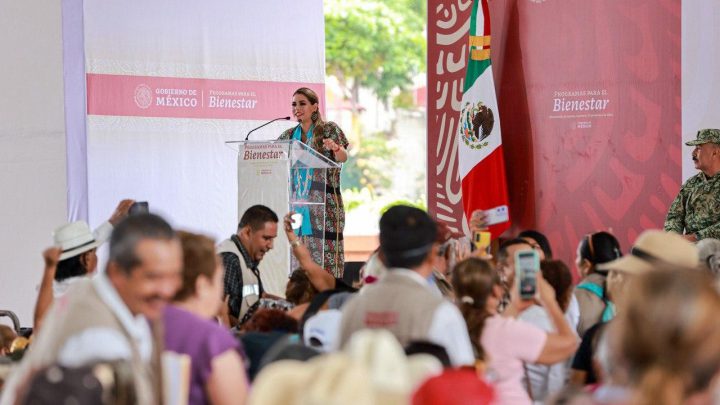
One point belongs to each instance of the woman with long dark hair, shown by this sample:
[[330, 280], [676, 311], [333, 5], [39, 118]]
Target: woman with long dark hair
[[326, 138], [502, 342]]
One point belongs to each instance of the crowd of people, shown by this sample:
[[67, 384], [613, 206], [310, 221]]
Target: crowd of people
[[175, 317]]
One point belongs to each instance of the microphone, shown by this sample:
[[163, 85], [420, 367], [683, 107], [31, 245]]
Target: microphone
[[267, 123]]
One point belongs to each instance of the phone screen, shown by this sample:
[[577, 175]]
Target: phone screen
[[526, 266]]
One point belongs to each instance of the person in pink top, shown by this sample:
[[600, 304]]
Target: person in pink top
[[502, 342]]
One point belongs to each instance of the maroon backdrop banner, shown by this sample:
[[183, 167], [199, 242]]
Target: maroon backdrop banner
[[590, 108]]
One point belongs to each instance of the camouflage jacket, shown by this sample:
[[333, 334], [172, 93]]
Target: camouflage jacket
[[696, 209]]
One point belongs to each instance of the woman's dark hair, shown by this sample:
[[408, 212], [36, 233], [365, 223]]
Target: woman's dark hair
[[541, 240], [70, 267], [271, 320], [558, 275], [473, 280], [598, 248], [299, 289], [319, 123]]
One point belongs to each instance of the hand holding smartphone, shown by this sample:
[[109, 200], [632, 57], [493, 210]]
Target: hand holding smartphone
[[139, 207], [497, 215], [527, 266], [481, 240]]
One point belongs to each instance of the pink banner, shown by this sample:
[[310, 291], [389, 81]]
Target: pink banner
[[590, 98], [147, 96]]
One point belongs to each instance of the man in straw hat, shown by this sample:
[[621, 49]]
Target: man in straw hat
[[653, 249], [72, 257], [656, 249], [695, 213]]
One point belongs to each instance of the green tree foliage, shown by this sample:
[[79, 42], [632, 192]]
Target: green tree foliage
[[371, 166], [377, 44]]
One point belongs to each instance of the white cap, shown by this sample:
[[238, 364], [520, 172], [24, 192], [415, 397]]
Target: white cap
[[322, 329]]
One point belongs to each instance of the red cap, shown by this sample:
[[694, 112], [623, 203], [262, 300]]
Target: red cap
[[454, 387]]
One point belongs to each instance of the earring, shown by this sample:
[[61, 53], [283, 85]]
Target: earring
[[314, 116]]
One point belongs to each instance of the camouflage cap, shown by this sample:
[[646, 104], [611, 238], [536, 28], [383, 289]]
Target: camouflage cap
[[705, 136]]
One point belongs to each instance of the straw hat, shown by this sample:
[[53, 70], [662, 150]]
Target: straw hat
[[74, 238], [655, 248], [372, 370], [393, 374], [330, 379]]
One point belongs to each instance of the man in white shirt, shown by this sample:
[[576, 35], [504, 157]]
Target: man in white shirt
[[403, 301], [112, 316]]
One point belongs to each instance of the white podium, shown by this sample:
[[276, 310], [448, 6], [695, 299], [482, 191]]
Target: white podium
[[282, 175]]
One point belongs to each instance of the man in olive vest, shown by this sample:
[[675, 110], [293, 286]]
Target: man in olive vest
[[403, 301], [241, 254], [114, 316]]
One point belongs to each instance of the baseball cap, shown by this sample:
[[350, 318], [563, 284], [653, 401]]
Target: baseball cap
[[705, 136], [454, 386], [322, 329]]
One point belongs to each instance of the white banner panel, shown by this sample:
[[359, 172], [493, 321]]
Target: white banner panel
[[168, 82]]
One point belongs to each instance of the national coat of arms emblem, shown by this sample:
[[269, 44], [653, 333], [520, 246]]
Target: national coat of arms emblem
[[476, 124]]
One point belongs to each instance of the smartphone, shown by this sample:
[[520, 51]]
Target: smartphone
[[497, 215], [527, 264], [296, 220], [481, 240], [139, 207]]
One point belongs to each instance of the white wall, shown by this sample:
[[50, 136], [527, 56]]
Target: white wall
[[32, 147], [700, 78]]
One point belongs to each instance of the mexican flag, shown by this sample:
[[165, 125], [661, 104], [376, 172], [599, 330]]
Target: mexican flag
[[480, 152]]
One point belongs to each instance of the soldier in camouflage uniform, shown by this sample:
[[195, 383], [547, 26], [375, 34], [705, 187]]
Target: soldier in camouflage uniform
[[695, 213]]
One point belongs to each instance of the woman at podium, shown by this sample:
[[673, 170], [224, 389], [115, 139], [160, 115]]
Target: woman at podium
[[326, 138]]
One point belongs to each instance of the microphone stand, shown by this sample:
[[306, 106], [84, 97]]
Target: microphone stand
[[267, 123]]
